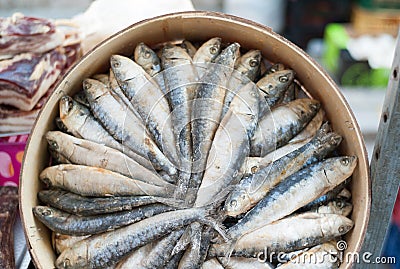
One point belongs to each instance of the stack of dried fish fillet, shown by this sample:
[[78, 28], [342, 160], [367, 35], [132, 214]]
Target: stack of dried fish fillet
[[194, 157]]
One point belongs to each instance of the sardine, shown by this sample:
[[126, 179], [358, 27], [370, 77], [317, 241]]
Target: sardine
[[282, 124], [147, 59], [69, 224], [88, 206], [85, 152], [189, 47], [324, 199], [92, 181], [123, 125], [299, 189], [160, 254], [149, 101], [99, 251], [275, 68], [311, 129], [236, 129], [82, 124], [247, 69], [179, 77], [287, 235], [323, 256], [253, 188], [207, 108]]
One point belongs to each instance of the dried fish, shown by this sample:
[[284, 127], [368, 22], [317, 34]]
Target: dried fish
[[282, 124], [93, 181], [88, 206], [69, 224], [300, 189]]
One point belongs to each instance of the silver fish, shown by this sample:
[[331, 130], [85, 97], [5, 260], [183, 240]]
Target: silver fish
[[82, 124], [149, 101], [85, 152], [69, 224], [300, 189], [191, 259], [179, 77], [282, 124], [288, 234], [236, 129], [147, 59], [98, 251], [93, 181], [123, 125], [247, 69], [207, 108], [254, 188]]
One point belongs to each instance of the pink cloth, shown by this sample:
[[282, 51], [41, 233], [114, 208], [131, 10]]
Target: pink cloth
[[11, 153]]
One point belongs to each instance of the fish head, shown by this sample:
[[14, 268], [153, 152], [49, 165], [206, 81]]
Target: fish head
[[336, 225], [341, 206], [229, 55], [328, 143], [60, 142], [237, 203], [145, 56], [74, 257], [347, 164], [43, 211], [94, 89], [249, 64], [276, 83], [52, 175], [275, 67], [209, 51], [124, 68], [72, 114], [305, 108]]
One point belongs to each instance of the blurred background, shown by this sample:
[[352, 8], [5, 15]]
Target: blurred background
[[353, 40]]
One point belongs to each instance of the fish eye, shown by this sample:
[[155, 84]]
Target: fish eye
[[283, 79], [243, 196], [339, 204], [253, 63], [66, 263], [147, 54], [53, 145], [345, 161], [116, 64], [47, 212], [213, 50], [233, 203], [254, 169], [341, 229]]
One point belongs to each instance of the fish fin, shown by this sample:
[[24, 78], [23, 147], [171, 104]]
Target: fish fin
[[218, 227], [176, 203], [183, 242]]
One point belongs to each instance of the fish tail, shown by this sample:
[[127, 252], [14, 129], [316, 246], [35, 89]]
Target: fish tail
[[217, 226]]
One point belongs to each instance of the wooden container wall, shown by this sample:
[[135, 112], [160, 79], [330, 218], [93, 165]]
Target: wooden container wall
[[194, 26]]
